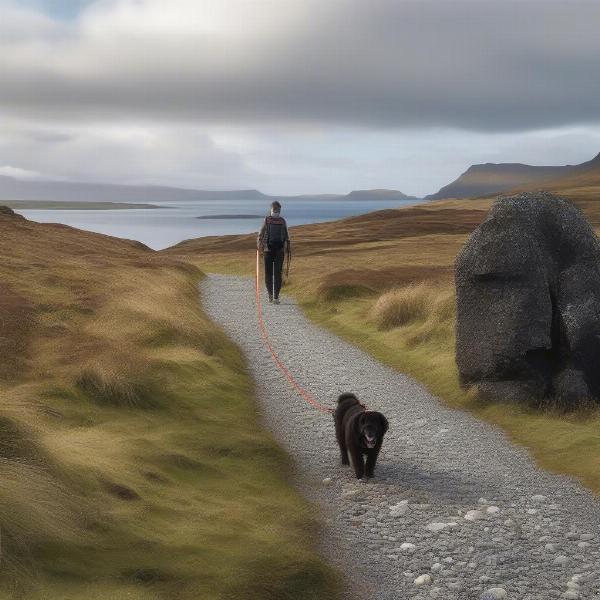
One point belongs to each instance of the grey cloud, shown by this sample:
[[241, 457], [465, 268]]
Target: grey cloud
[[171, 156], [479, 65]]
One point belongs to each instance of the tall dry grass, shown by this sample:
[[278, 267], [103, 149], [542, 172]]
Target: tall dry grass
[[428, 308], [131, 460]]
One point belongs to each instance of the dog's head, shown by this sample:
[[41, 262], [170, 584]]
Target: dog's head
[[372, 426]]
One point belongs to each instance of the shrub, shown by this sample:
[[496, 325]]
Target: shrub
[[402, 306], [415, 302]]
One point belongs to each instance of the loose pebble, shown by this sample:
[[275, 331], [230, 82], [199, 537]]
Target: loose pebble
[[474, 515], [496, 593], [435, 527], [423, 579], [400, 509]]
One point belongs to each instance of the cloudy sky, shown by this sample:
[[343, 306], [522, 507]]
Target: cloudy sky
[[295, 96]]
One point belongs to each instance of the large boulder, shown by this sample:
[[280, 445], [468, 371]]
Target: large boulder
[[528, 303]]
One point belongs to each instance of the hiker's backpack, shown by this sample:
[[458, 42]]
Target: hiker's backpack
[[276, 232]]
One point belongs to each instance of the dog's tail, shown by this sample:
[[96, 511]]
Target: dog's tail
[[347, 396]]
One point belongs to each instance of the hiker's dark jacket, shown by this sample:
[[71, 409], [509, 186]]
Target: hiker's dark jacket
[[273, 235]]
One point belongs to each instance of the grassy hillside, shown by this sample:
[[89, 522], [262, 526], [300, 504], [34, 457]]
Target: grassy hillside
[[493, 178], [577, 182], [384, 282], [131, 462], [582, 185]]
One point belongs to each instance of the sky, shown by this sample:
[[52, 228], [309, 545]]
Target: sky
[[295, 96]]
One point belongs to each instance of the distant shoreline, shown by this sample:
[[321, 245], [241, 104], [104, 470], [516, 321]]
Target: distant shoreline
[[230, 217], [67, 205]]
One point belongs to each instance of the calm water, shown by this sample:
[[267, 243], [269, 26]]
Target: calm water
[[172, 223]]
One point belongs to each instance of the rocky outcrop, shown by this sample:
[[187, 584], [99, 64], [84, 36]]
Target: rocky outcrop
[[528, 303], [9, 212]]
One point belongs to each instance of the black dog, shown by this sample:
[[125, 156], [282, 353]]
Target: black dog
[[358, 431]]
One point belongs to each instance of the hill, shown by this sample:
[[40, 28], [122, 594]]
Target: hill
[[74, 205], [18, 189], [378, 194], [580, 184], [12, 189], [131, 459], [491, 178]]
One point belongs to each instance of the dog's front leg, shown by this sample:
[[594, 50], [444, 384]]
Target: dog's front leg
[[356, 459], [341, 440], [372, 459], [344, 454]]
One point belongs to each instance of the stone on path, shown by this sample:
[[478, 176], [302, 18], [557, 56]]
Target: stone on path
[[435, 527], [496, 593], [423, 579], [474, 515]]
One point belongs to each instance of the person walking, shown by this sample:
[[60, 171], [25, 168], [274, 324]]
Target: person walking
[[273, 241]]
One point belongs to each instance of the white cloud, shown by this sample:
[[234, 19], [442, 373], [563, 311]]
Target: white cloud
[[9, 171], [297, 95]]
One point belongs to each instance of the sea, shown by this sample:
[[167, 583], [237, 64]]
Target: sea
[[174, 222]]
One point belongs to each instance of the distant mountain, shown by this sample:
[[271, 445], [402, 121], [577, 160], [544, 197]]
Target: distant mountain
[[491, 178], [585, 175], [66, 191], [378, 195]]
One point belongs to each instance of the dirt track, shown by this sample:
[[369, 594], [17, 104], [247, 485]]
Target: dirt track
[[453, 498]]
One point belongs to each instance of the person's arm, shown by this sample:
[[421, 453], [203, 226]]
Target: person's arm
[[261, 236], [287, 238]]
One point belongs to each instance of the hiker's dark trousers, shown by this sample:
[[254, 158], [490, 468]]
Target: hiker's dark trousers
[[273, 268]]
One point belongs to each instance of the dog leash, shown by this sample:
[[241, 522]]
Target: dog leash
[[280, 365]]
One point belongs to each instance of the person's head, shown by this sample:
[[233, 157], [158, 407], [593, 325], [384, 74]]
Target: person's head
[[275, 207]]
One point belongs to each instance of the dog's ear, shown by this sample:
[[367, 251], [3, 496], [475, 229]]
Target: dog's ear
[[357, 422], [384, 422], [346, 396]]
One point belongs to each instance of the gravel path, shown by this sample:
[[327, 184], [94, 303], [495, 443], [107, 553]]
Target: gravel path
[[456, 511]]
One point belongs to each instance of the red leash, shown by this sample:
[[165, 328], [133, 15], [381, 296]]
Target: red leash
[[265, 336]]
